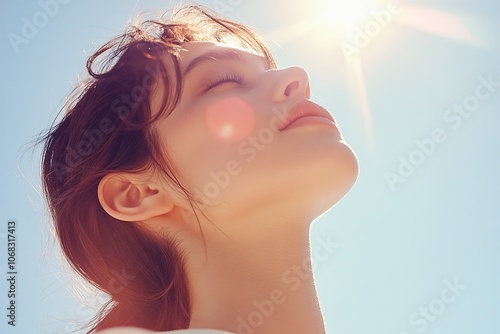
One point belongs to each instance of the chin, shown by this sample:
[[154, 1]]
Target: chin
[[351, 166], [348, 168], [336, 179]]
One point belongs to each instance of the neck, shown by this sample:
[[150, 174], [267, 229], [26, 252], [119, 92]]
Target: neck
[[256, 282]]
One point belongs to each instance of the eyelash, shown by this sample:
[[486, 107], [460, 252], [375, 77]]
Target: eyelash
[[231, 77]]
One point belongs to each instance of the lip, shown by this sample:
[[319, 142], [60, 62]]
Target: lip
[[303, 109]]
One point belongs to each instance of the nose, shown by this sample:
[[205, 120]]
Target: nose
[[290, 83]]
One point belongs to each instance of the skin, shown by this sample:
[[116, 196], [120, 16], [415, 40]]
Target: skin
[[269, 193]]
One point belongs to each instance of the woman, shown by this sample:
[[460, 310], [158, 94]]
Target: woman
[[185, 175]]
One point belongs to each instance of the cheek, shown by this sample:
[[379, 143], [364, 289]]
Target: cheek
[[230, 119]]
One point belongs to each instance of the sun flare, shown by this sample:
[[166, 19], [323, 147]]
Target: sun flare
[[356, 27], [347, 13]]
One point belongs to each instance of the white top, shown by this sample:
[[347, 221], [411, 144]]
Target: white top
[[135, 330]]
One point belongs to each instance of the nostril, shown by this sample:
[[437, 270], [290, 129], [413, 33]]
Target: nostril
[[290, 87]]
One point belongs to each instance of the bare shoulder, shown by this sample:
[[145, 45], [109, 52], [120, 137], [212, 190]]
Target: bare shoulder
[[135, 330]]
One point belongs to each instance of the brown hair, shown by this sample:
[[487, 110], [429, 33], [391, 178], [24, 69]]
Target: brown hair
[[107, 128]]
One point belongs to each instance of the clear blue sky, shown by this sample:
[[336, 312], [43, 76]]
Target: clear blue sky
[[416, 93]]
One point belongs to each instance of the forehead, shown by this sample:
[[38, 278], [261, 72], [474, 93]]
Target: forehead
[[192, 50]]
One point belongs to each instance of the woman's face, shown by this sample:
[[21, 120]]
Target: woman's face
[[224, 138]]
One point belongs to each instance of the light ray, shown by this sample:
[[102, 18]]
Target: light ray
[[293, 32], [436, 22], [358, 85], [340, 20]]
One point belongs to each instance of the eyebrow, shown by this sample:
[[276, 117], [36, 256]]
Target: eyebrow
[[214, 55]]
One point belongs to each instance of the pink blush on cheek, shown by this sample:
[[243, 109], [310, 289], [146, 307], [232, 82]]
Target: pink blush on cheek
[[230, 119]]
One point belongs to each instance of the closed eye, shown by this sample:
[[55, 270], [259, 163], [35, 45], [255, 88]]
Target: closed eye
[[229, 77]]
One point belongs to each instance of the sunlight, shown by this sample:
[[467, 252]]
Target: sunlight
[[358, 87], [230, 119], [347, 13], [355, 27], [336, 17]]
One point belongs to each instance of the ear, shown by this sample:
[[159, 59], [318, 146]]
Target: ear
[[127, 197]]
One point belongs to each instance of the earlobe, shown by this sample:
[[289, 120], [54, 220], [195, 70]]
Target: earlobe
[[124, 197]]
